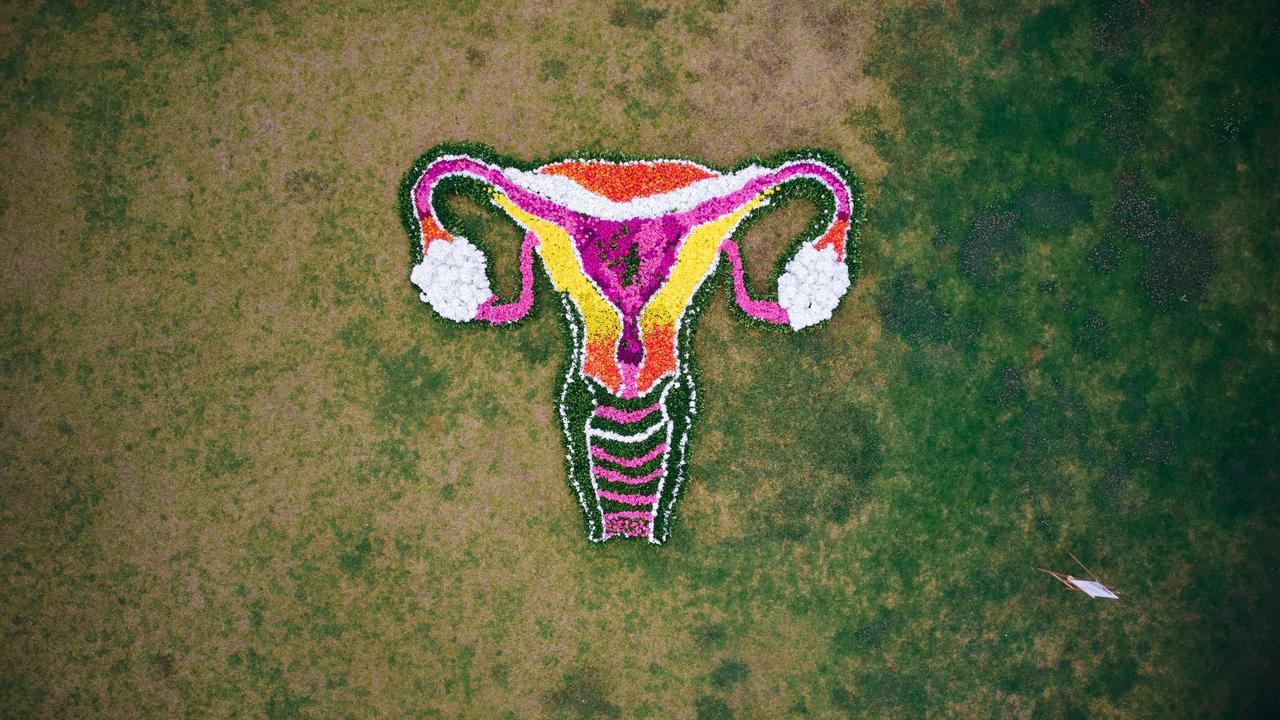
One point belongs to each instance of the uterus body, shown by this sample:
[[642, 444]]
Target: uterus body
[[628, 246]]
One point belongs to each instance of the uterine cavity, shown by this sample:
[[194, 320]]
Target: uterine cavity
[[628, 260]]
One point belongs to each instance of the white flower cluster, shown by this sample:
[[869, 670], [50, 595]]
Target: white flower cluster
[[452, 278], [812, 285]]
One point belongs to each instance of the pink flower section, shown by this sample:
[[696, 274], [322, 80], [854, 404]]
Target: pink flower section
[[615, 476], [627, 499], [626, 528], [719, 206], [625, 416], [766, 310], [629, 523], [630, 514], [629, 462], [629, 372], [511, 312]]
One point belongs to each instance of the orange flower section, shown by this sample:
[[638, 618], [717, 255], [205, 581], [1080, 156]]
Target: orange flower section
[[432, 231], [659, 355], [626, 181], [601, 365], [835, 237]]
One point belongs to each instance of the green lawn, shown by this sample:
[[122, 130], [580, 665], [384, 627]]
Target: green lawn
[[245, 472]]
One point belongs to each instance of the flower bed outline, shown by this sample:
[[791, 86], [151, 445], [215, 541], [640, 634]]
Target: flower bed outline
[[566, 207]]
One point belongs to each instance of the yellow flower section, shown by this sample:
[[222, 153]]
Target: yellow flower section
[[556, 248], [696, 255]]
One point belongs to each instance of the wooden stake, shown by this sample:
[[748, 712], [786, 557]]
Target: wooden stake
[[1058, 576], [1091, 575]]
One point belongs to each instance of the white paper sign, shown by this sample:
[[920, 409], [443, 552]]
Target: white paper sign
[[1093, 589]]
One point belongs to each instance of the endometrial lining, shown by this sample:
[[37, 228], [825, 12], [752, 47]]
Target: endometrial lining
[[628, 260]]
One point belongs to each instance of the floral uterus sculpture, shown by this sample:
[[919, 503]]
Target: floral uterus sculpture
[[631, 247]]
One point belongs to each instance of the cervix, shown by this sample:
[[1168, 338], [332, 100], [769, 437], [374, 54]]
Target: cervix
[[631, 247]]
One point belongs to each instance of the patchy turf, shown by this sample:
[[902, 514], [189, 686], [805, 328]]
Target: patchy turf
[[246, 473]]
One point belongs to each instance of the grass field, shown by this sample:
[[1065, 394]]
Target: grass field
[[247, 473]]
